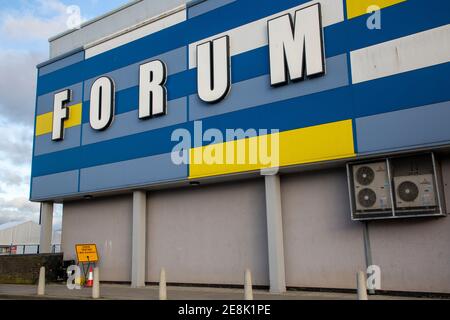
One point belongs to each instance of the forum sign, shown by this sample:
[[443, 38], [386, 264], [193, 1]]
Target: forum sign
[[239, 89], [296, 52]]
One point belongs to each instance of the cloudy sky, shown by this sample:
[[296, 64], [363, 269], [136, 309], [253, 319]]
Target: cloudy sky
[[25, 26]]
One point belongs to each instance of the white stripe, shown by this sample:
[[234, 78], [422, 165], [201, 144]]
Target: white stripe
[[412, 52], [254, 35], [135, 33]]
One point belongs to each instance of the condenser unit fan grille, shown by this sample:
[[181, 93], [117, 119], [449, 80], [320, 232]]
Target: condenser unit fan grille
[[365, 176], [367, 198], [408, 191]]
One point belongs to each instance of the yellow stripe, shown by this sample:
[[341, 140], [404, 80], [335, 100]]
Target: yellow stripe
[[356, 8], [44, 122], [300, 146]]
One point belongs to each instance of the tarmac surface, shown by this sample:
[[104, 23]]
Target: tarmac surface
[[125, 292]]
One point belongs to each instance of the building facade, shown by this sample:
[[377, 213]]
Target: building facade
[[23, 238], [142, 116]]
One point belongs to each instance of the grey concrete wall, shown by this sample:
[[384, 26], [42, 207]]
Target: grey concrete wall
[[208, 234], [106, 222], [414, 254], [323, 247]]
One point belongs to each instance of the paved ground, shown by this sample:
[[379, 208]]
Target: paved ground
[[124, 292]]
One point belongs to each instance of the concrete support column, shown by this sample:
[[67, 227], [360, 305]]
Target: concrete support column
[[275, 233], [45, 242], [139, 229]]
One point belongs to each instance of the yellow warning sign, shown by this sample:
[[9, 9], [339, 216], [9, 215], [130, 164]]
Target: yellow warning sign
[[86, 253]]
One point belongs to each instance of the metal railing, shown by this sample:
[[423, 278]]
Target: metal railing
[[25, 249]]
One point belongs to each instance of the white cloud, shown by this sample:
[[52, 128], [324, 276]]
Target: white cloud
[[18, 85], [23, 44], [15, 162], [30, 27], [15, 155], [51, 6], [16, 142], [36, 20], [18, 209], [23, 36]]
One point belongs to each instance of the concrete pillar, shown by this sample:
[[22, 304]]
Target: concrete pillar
[[162, 285], [361, 285], [248, 285], [96, 285], [139, 229], [41, 282], [45, 243], [275, 233]]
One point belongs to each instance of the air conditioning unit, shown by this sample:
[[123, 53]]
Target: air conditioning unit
[[404, 186], [416, 191], [371, 187]]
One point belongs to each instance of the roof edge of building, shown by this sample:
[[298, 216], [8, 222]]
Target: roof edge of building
[[136, 26], [93, 20]]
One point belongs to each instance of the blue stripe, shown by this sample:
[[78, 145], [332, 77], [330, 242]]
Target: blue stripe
[[129, 123], [192, 30], [203, 7], [257, 91], [116, 150], [400, 20], [403, 19], [128, 100], [128, 76], [60, 184], [45, 144], [234, 15], [411, 89], [414, 127], [245, 66], [402, 91], [135, 172], [286, 115], [62, 63], [45, 102], [185, 83], [244, 95]]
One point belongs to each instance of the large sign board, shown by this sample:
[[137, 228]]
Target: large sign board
[[199, 95], [86, 253]]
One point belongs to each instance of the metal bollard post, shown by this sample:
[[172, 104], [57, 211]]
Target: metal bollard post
[[361, 285], [162, 285], [248, 289], [96, 285], [41, 283]]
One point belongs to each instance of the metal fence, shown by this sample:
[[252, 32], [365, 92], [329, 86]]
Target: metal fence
[[26, 249]]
